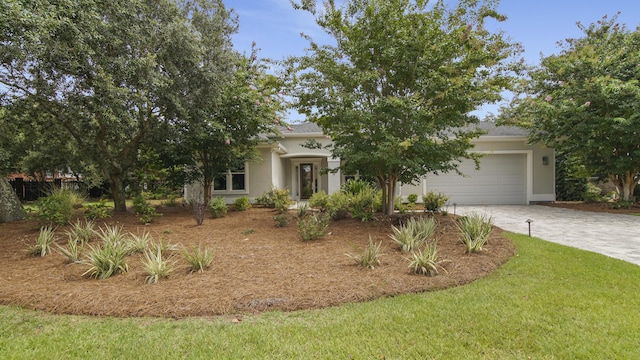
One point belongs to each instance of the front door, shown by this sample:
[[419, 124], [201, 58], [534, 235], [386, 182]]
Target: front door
[[306, 181]]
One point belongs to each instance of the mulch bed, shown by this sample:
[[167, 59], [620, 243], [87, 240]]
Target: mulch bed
[[268, 268]]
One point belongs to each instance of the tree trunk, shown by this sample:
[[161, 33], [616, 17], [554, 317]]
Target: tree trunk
[[117, 192], [10, 206], [625, 184], [206, 191], [388, 186]]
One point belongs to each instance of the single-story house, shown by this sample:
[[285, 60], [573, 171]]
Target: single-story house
[[511, 171]]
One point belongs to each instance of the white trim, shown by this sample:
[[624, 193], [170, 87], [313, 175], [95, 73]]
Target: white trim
[[229, 173], [295, 175], [543, 197], [307, 155]]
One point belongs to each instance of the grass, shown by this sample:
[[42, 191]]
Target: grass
[[548, 302]]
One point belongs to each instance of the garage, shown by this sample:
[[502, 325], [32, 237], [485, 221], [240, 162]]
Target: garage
[[501, 180]]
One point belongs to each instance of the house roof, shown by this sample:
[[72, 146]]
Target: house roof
[[490, 127]]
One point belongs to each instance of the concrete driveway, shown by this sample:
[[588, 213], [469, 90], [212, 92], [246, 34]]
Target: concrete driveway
[[617, 236]]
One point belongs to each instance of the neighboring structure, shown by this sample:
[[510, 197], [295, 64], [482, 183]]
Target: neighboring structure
[[511, 171]]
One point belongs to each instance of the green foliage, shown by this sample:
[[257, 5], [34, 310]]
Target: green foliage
[[475, 229], [82, 232], [156, 266], [369, 257], [55, 209], [145, 211], [415, 233], [362, 204], [138, 243], [281, 220], [43, 243], [590, 91], [162, 245], [356, 186], [313, 227], [171, 201], [400, 206], [107, 259], [412, 198], [97, 210], [302, 209], [425, 261], [199, 258], [319, 200], [275, 198], [73, 251], [592, 193], [434, 201], [373, 93], [242, 204], [571, 177], [338, 206], [247, 231], [218, 207]]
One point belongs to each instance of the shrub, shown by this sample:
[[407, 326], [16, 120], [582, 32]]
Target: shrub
[[112, 234], [319, 200], [82, 232], [163, 246], [412, 198], [218, 207], [275, 198], [74, 197], [592, 193], [425, 262], [156, 266], [171, 201], [199, 258], [55, 209], [242, 204], [369, 257], [434, 201], [338, 205], [281, 220], [302, 209], [398, 205], [363, 204], [97, 210], [73, 251], [413, 234], [43, 243], [107, 260], [356, 186], [145, 211], [475, 230], [312, 227]]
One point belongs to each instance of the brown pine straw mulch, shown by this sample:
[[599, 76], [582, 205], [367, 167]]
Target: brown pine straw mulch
[[268, 269]]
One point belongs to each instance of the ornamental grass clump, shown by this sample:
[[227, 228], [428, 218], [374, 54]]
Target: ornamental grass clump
[[475, 230], [312, 227], [82, 231], [414, 233], [107, 260], [156, 266], [369, 257], [425, 261], [43, 243], [73, 250], [199, 258], [138, 243]]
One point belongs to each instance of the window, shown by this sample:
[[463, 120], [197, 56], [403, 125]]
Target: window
[[234, 180]]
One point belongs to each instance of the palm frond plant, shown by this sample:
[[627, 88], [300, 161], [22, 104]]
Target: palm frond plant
[[425, 261], [107, 259], [137, 243], [82, 231]]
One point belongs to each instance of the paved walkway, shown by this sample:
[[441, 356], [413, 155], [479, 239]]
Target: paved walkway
[[617, 236]]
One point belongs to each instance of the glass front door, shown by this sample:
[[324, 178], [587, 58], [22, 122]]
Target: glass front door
[[306, 181]]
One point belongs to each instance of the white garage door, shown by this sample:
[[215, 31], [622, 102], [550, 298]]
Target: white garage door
[[501, 180]]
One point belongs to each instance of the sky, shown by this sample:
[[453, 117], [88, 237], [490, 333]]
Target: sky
[[537, 24]]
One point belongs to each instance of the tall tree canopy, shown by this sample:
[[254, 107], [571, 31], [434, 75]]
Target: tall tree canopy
[[105, 73], [396, 89], [585, 102]]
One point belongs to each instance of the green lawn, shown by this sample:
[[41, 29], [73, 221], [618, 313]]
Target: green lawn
[[549, 301]]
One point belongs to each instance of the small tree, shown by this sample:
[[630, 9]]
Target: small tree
[[585, 102], [395, 90]]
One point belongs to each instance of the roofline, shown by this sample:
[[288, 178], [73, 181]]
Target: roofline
[[490, 138]]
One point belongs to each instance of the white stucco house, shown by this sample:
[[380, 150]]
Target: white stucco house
[[511, 171]]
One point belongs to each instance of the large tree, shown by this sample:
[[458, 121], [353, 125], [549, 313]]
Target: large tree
[[585, 102], [106, 73], [396, 90]]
